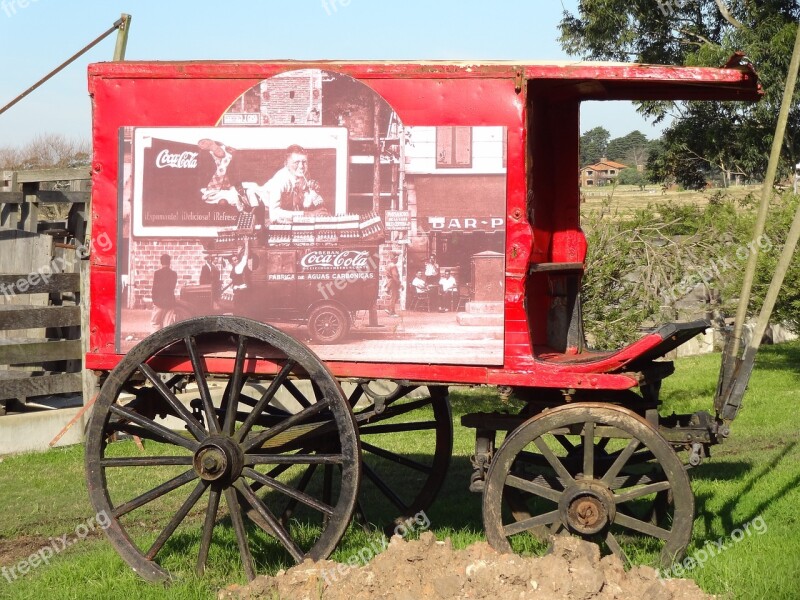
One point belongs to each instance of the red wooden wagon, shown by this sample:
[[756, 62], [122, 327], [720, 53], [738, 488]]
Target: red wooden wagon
[[411, 172]]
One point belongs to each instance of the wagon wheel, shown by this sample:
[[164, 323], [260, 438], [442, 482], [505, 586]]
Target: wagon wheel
[[595, 470], [228, 445], [395, 479]]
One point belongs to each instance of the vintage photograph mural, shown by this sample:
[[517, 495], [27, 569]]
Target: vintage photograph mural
[[311, 206]]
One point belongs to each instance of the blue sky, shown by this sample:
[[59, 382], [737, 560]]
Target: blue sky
[[37, 35]]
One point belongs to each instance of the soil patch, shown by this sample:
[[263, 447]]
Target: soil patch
[[15, 549], [427, 569]]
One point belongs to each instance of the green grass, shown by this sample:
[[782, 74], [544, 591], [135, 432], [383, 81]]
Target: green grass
[[754, 475]]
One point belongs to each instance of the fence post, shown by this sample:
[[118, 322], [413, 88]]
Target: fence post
[[8, 212], [89, 379], [29, 209]]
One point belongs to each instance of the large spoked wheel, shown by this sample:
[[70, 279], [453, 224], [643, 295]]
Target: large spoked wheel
[[597, 471], [287, 459], [402, 475]]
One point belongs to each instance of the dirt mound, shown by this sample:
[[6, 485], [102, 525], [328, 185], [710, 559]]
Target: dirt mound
[[426, 570]]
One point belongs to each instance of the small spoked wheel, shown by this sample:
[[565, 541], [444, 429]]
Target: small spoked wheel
[[597, 471], [401, 475], [280, 449]]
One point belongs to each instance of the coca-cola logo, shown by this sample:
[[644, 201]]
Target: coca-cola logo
[[183, 160], [346, 259]]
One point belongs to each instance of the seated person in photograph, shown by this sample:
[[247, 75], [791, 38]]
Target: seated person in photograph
[[449, 291], [419, 283], [290, 192]]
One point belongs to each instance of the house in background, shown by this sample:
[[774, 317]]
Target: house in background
[[600, 173]]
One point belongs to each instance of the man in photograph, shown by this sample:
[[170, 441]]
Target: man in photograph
[[290, 192], [210, 275], [163, 292], [449, 291], [392, 284]]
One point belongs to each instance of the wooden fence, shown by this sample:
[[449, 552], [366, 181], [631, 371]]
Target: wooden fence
[[42, 252]]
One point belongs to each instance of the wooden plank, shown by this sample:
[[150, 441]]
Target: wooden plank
[[29, 210], [17, 352], [36, 283], [21, 385], [24, 252], [12, 197], [54, 197], [36, 175], [28, 317]]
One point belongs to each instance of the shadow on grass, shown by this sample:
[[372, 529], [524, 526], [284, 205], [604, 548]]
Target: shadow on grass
[[739, 470]]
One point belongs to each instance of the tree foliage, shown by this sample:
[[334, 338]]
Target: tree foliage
[[46, 151], [594, 145], [632, 149], [733, 138]]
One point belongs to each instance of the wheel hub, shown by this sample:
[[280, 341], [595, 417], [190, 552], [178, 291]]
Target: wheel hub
[[587, 507], [219, 459]]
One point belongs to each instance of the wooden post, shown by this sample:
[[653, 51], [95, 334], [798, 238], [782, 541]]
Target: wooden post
[[8, 212], [89, 379], [122, 37], [29, 209]]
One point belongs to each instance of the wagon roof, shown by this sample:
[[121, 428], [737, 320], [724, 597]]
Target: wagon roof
[[570, 79]]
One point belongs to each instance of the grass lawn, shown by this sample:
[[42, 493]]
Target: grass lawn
[[751, 479]]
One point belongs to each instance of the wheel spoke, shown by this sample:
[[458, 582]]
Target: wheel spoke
[[208, 528], [297, 394], [645, 490], [146, 461], [241, 535], [264, 512], [533, 488], [166, 435], [369, 414], [384, 488], [295, 419], [301, 487], [614, 546], [177, 519], [295, 494], [355, 396], [177, 406], [236, 385], [292, 459], [396, 458], [641, 526], [588, 450], [623, 457], [526, 524], [202, 385], [554, 461], [155, 493], [397, 427], [565, 443], [265, 399]]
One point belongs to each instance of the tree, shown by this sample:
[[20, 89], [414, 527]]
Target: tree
[[632, 176], [632, 149], [732, 137], [46, 151], [594, 144]]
